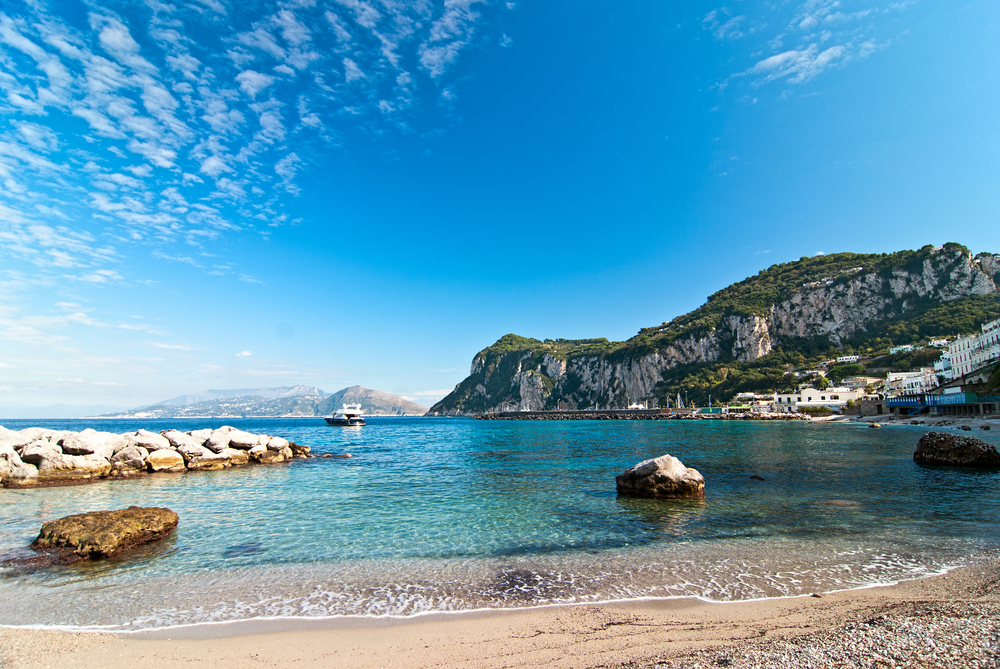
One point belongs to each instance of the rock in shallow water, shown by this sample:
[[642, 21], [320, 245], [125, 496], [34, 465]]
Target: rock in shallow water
[[940, 448], [101, 534], [664, 477]]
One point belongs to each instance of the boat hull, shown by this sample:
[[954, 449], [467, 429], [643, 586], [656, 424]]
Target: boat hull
[[345, 422]]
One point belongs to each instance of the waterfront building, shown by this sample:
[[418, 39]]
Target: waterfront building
[[910, 383], [968, 354], [832, 398]]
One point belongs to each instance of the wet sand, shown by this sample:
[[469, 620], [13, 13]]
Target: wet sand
[[661, 633]]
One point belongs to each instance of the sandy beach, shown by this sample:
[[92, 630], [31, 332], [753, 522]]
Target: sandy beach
[[950, 620]]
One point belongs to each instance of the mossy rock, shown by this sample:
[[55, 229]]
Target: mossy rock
[[101, 534]]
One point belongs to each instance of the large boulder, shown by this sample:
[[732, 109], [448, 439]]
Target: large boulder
[[23, 476], [192, 451], [9, 461], [62, 468], [101, 534], [242, 440], [13, 438], [236, 456], [129, 461], [36, 451], [942, 448], [264, 455], [663, 477], [165, 460], [210, 461], [277, 443], [151, 441], [180, 440], [218, 441], [92, 442]]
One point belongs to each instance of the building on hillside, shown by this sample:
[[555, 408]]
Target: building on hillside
[[849, 359], [968, 354], [943, 366], [833, 398], [910, 383], [900, 349], [862, 382], [938, 343]]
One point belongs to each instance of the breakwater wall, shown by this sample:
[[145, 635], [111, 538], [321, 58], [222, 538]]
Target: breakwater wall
[[637, 414], [36, 456], [607, 414]]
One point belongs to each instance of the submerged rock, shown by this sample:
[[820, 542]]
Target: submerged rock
[[940, 448], [101, 534], [663, 477]]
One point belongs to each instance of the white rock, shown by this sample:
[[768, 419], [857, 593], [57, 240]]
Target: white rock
[[242, 440], [73, 467], [37, 451], [129, 461], [23, 476], [178, 439], [10, 461], [210, 461], [263, 439], [201, 435], [217, 441], [148, 440], [192, 451], [91, 442], [165, 460], [277, 444], [13, 438]]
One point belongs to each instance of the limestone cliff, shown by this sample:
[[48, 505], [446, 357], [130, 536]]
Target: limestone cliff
[[814, 303]]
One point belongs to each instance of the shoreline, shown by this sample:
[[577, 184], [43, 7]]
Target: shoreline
[[634, 633]]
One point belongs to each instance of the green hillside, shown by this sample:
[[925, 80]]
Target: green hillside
[[915, 321]]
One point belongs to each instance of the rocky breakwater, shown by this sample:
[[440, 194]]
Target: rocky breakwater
[[37, 457], [951, 450], [664, 477]]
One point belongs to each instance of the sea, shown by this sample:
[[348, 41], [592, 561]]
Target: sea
[[452, 514]]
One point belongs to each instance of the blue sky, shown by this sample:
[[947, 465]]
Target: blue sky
[[214, 194]]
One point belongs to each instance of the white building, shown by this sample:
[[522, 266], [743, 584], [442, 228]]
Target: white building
[[968, 354], [938, 343], [862, 382], [910, 383], [848, 359], [900, 349], [833, 398]]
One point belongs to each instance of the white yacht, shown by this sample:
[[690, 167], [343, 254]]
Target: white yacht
[[349, 414]]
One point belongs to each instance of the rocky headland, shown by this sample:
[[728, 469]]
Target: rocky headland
[[749, 330], [37, 456]]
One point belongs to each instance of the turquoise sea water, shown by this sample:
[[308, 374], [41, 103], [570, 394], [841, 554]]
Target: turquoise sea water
[[442, 514]]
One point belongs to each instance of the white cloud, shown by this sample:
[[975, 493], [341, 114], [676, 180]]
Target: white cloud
[[244, 354], [798, 66], [253, 82], [351, 70], [169, 347]]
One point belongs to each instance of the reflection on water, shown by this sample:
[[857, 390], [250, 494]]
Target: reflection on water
[[451, 514]]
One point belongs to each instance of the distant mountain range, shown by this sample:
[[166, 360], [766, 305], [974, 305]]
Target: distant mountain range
[[300, 400], [14, 411]]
